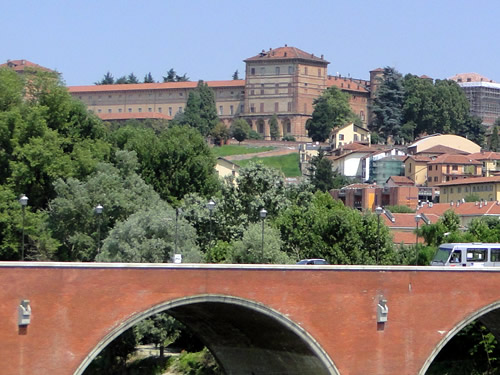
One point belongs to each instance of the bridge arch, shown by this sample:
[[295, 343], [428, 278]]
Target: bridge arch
[[488, 315], [245, 336]]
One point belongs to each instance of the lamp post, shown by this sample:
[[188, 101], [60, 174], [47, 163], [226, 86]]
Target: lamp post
[[178, 212], [263, 214], [210, 206], [23, 201], [417, 220], [379, 211], [98, 211]]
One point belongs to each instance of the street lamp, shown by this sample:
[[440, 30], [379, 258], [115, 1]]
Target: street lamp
[[379, 211], [23, 201], [263, 214], [98, 211], [211, 206], [417, 220]]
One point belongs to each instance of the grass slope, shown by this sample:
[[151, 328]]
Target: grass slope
[[288, 164], [228, 150]]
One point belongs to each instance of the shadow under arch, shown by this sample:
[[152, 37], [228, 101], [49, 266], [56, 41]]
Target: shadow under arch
[[246, 337], [488, 315]]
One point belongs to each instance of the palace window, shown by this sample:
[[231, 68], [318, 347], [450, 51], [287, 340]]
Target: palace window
[[252, 71], [277, 70], [290, 70], [231, 110], [221, 110], [261, 107]]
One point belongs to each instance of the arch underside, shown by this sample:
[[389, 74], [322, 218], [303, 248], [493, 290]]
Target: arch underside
[[244, 337], [489, 316]]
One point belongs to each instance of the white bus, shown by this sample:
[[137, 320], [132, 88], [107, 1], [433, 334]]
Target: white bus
[[468, 255]]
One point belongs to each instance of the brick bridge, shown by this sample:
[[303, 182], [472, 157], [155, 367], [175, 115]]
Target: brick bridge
[[256, 319]]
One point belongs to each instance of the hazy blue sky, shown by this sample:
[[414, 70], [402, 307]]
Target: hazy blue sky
[[208, 39]]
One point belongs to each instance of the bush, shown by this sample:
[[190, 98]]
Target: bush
[[254, 135], [289, 138], [400, 209]]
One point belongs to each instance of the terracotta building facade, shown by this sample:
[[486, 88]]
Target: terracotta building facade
[[282, 81]]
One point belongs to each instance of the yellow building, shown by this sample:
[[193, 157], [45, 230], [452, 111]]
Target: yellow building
[[485, 188], [347, 134], [225, 167], [416, 168], [490, 160]]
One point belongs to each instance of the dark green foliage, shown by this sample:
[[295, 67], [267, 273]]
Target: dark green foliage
[[236, 75], [106, 80], [160, 329], [474, 130], [240, 130], [148, 78], [331, 109], [289, 138], [172, 76], [388, 106], [132, 78], [494, 143], [121, 81], [321, 172], [201, 363], [201, 112], [400, 209], [220, 134], [273, 127]]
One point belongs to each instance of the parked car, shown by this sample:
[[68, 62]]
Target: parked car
[[313, 261]]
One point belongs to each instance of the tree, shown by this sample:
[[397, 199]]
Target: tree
[[148, 78], [321, 172], [106, 80], [172, 76], [72, 218], [149, 236], [160, 329], [240, 130], [249, 249], [200, 112], [122, 80], [132, 78], [331, 109], [475, 130], [220, 134], [175, 162], [494, 140], [273, 127], [388, 106], [236, 75]]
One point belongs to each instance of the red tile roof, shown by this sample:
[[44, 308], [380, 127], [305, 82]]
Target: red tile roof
[[401, 180], [455, 159], [470, 77], [472, 180], [21, 65], [346, 84], [440, 149], [129, 116], [486, 155], [235, 83], [462, 209], [287, 53], [406, 238], [418, 158]]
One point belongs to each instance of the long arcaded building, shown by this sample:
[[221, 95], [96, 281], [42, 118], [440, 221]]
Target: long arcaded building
[[282, 81]]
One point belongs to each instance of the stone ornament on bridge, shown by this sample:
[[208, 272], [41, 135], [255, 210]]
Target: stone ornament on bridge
[[24, 310], [382, 310]]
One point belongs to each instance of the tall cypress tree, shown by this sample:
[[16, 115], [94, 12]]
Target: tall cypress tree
[[388, 106], [201, 112]]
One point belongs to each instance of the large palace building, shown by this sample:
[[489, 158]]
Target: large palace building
[[282, 81]]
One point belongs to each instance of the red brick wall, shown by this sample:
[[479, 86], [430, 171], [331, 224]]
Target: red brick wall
[[74, 308]]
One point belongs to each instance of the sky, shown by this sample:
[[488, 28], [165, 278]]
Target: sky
[[209, 39]]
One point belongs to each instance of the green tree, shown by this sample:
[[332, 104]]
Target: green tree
[[131, 79], [11, 89], [249, 249], [321, 172], [273, 127], [148, 236], [220, 134], [388, 106], [240, 130], [453, 108], [331, 109], [201, 112], [160, 329], [117, 188], [236, 75], [494, 144], [106, 80], [121, 80], [148, 78], [475, 130], [172, 76]]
